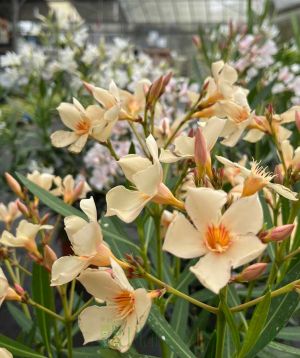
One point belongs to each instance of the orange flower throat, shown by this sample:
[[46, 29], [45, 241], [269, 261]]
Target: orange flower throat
[[125, 303], [217, 238], [83, 126]]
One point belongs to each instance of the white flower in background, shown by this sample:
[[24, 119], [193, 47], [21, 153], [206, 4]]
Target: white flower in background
[[44, 180], [87, 243], [4, 353], [6, 292], [125, 313], [26, 233], [261, 126], [69, 189], [91, 54], [257, 178], [184, 146], [291, 156], [10, 59], [225, 241], [147, 176], [9, 213], [92, 121]]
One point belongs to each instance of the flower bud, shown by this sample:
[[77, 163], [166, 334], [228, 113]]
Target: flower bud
[[278, 171], [196, 41], [297, 120], [279, 233], [44, 219], [88, 87], [251, 272], [200, 149], [14, 185], [49, 257], [19, 289], [78, 190], [22, 207]]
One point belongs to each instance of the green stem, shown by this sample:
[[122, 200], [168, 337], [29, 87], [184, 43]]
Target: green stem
[[42, 308], [77, 313], [71, 299], [159, 251], [109, 146], [221, 324], [139, 139], [67, 320]]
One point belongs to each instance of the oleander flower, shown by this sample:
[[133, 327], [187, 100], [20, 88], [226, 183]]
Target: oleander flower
[[147, 176], [92, 122], [6, 292], [4, 353], [69, 190], [126, 309], [291, 156], [87, 243], [132, 104], [44, 180], [257, 178], [225, 241], [26, 233], [9, 212], [185, 146], [259, 126]]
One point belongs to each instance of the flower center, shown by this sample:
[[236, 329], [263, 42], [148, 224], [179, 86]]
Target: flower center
[[125, 303], [83, 126], [217, 238]]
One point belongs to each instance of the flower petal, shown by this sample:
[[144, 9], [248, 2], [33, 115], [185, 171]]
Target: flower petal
[[88, 206], [27, 230], [66, 268], [152, 146], [244, 171], [97, 323], [119, 276], [244, 216], [183, 240], [86, 240], [204, 206], [10, 240], [69, 115], [77, 146], [73, 224], [283, 191], [244, 249], [123, 339], [142, 307], [63, 138], [213, 271], [213, 130], [100, 284], [132, 163], [4, 353], [166, 156], [254, 135], [126, 204], [148, 180]]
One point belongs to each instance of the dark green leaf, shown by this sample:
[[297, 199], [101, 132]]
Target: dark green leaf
[[18, 349], [284, 348], [256, 325], [230, 320], [165, 332], [290, 334]]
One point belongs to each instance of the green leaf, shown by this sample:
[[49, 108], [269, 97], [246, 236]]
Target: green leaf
[[165, 332], [18, 349], [230, 320], [284, 348], [23, 322], [256, 325], [290, 334], [50, 200], [93, 352], [211, 347], [43, 294], [281, 310]]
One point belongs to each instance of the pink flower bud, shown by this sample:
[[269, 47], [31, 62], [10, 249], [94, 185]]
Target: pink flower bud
[[19, 289], [14, 185], [297, 120], [78, 190], [278, 171], [88, 87], [49, 257], [22, 207], [201, 153], [196, 41], [251, 272], [279, 233]]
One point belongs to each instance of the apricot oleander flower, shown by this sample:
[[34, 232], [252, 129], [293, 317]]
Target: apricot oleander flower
[[291, 156], [69, 189], [7, 292], [26, 233], [260, 125], [87, 243], [9, 212], [147, 176], [44, 180], [4, 353], [126, 309], [132, 104], [257, 178], [225, 241], [92, 122], [184, 146]]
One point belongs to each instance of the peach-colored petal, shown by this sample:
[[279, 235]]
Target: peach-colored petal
[[73, 224], [4, 353], [63, 138], [213, 130], [148, 180], [213, 271], [166, 156], [126, 204], [100, 284], [132, 163], [119, 276], [244, 249], [10, 240], [66, 268], [204, 206], [123, 339], [183, 240], [88, 206], [142, 307], [77, 146], [94, 113], [283, 191], [244, 216], [86, 240], [69, 115], [97, 323], [152, 146], [254, 135]]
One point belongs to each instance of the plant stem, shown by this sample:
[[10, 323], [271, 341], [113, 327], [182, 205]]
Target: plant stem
[[159, 251], [109, 146], [67, 320], [71, 299], [77, 313], [42, 308], [221, 324], [139, 139]]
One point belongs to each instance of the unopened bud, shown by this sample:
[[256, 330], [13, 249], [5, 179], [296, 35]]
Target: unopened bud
[[191, 133], [279, 233], [297, 120], [22, 207], [14, 185], [157, 293], [45, 218], [278, 171], [154, 91], [19, 289], [196, 41], [200, 149], [251, 272], [49, 257], [78, 190], [88, 87]]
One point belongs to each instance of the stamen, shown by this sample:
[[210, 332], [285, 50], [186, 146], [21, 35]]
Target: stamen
[[125, 303], [217, 238]]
